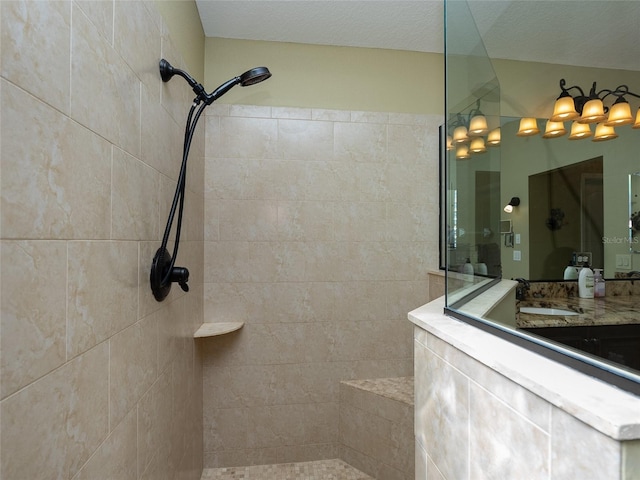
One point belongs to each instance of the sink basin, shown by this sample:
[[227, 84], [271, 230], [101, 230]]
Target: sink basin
[[546, 311]]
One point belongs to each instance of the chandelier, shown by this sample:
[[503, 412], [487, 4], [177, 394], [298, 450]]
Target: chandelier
[[583, 111]]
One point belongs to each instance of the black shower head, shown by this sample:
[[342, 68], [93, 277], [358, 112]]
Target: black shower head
[[253, 76]]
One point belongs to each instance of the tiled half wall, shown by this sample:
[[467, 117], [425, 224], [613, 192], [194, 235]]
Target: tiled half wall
[[320, 227]]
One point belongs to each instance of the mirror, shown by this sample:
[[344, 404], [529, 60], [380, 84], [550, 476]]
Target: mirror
[[576, 196], [634, 212]]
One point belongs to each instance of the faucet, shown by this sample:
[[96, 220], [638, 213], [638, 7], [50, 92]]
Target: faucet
[[521, 288]]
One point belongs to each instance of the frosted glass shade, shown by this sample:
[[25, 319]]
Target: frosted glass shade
[[462, 152], [637, 122], [564, 109], [554, 129], [460, 135], [493, 139], [619, 114], [477, 145], [592, 112], [478, 126], [604, 132], [449, 142], [528, 127], [579, 131]]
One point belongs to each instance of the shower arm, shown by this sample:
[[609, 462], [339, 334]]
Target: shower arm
[[167, 71]]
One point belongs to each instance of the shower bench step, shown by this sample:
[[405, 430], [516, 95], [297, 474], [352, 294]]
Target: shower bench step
[[211, 329]]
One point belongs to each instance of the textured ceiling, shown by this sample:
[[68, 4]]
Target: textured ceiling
[[556, 31]]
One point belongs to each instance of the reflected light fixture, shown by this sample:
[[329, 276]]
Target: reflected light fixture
[[528, 127], [462, 152], [477, 145], [478, 126], [514, 202], [460, 135], [554, 129], [493, 139], [579, 131], [604, 132]]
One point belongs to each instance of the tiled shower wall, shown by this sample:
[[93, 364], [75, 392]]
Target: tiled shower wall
[[320, 226], [98, 379]]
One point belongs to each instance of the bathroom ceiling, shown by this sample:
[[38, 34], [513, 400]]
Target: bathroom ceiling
[[603, 34]]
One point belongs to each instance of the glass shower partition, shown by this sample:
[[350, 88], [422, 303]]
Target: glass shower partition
[[470, 247]]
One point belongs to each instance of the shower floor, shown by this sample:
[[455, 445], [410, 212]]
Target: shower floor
[[319, 470]]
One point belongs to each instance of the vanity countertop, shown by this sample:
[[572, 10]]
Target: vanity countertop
[[614, 310]]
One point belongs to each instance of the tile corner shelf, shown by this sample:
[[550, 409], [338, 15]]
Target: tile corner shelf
[[219, 328]]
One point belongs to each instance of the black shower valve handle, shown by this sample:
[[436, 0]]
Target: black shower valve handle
[[181, 276]]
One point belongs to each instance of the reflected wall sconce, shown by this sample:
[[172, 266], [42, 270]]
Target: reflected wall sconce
[[467, 134], [528, 127], [514, 202]]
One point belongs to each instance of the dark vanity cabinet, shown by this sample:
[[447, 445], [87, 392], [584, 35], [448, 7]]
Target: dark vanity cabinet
[[617, 343]]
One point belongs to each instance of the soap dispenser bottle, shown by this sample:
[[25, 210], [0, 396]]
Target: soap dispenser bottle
[[571, 272], [467, 267], [585, 283], [598, 284]]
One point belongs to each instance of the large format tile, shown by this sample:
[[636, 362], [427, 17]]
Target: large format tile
[[33, 310], [50, 428]]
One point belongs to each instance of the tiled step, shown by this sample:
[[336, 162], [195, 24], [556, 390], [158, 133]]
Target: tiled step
[[318, 470], [376, 427]]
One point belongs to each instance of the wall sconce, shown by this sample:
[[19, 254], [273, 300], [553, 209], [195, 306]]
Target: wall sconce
[[584, 110], [514, 202]]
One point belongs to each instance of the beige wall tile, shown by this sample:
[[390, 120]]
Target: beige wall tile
[[35, 49], [97, 67], [133, 366], [101, 15], [81, 353], [330, 288], [33, 311], [120, 444], [50, 428], [102, 292], [305, 140], [137, 40], [502, 443], [579, 451], [360, 142], [56, 174], [248, 137], [134, 202]]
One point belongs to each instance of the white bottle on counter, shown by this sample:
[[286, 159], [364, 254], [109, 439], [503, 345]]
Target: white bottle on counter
[[571, 273], [598, 284], [585, 283]]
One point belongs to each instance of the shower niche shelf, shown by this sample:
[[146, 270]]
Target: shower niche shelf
[[210, 329]]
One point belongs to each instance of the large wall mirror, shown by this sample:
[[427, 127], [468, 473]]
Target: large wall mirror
[[525, 204], [576, 202]]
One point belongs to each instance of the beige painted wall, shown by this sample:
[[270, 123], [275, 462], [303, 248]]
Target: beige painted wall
[[315, 76], [183, 21]]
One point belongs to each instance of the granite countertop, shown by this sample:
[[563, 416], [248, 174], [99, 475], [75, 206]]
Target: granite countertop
[[614, 310]]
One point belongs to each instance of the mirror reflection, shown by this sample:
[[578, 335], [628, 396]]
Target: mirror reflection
[[574, 203]]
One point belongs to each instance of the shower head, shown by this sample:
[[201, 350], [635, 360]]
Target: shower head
[[250, 77], [253, 76]]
